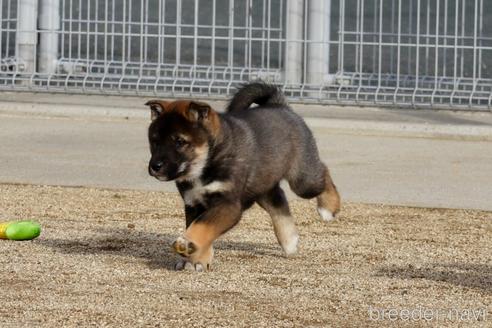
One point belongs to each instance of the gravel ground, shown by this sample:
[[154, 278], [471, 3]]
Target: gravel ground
[[104, 259]]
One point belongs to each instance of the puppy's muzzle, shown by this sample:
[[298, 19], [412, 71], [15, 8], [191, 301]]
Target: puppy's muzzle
[[156, 169]]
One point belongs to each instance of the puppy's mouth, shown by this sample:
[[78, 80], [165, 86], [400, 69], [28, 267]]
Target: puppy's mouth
[[161, 176]]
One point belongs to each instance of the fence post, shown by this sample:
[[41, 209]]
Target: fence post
[[26, 38], [318, 52], [49, 25], [294, 42]]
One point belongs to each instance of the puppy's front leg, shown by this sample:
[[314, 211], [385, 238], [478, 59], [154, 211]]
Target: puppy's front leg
[[195, 246], [192, 213]]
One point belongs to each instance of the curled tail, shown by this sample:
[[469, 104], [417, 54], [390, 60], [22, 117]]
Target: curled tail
[[256, 93]]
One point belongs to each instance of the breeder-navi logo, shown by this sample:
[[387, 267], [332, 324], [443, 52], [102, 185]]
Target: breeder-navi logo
[[420, 313]]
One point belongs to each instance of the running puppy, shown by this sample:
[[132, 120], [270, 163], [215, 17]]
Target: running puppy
[[224, 163]]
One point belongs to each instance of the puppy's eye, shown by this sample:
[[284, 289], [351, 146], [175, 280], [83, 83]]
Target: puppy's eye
[[180, 142]]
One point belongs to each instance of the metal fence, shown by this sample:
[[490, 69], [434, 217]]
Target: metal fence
[[400, 53]]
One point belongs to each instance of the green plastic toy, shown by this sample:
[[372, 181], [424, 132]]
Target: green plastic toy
[[19, 230]]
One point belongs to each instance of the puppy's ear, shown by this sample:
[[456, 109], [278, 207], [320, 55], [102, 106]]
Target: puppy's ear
[[199, 111], [157, 107], [203, 114]]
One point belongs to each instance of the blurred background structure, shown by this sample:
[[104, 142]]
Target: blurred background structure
[[398, 53]]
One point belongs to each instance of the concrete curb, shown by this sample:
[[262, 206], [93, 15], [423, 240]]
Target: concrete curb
[[72, 110], [417, 130], [363, 121]]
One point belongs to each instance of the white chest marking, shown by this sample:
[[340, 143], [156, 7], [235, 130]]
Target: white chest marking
[[196, 194]]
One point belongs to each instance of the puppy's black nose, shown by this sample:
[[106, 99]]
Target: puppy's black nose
[[156, 166]]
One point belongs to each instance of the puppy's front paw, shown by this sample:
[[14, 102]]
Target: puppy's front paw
[[184, 247], [194, 258], [184, 264]]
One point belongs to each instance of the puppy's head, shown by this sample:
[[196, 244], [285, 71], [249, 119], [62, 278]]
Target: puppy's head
[[180, 136]]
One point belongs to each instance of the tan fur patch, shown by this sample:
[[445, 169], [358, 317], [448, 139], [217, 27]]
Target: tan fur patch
[[216, 221], [329, 199], [202, 235], [286, 232], [283, 224]]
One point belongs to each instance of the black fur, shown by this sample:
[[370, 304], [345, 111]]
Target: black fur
[[259, 146], [257, 92]]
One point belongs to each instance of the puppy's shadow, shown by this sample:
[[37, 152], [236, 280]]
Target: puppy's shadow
[[469, 275], [155, 248]]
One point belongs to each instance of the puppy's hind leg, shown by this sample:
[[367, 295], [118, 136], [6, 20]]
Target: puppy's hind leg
[[329, 199], [275, 203], [313, 179]]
